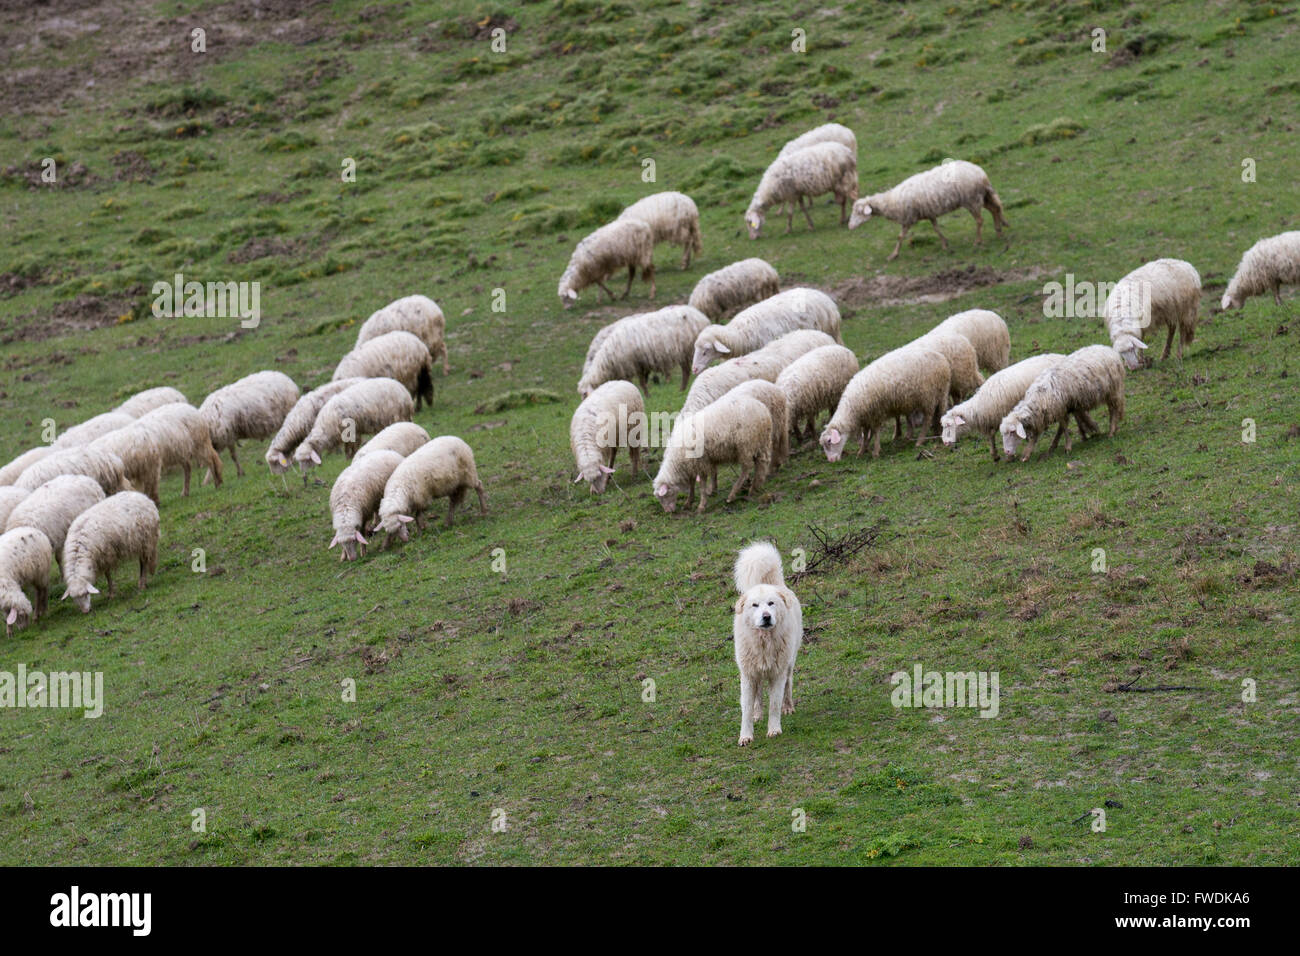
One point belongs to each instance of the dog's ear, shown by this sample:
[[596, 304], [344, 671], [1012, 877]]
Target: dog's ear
[[740, 605]]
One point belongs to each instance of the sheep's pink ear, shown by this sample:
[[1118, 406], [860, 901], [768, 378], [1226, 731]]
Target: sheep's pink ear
[[578, 479], [91, 589], [958, 420], [719, 347], [332, 543], [65, 596], [361, 539], [1140, 344], [606, 469], [13, 614], [1020, 430], [315, 458], [660, 491], [835, 436], [405, 519]]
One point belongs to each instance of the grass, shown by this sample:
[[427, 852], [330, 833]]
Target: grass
[[502, 665]]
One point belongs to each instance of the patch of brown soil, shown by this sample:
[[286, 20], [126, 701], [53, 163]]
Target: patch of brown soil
[[71, 315], [260, 247], [940, 287]]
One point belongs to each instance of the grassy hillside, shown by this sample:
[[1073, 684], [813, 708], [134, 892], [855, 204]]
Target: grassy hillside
[[522, 691]]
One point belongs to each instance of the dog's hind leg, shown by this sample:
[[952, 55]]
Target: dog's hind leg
[[788, 706], [746, 711]]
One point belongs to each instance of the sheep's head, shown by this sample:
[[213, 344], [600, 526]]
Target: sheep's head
[[951, 425], [861, 213], [568, 296], [585, 388], [18, 616], [278, 462], [1129, 348], [666, 494], [348, 544], [306, 458], [394, 525], [597, 477], [707, 348], [754, 222], [80, 591], [1231, 301], [832, 442], [1013, 433]]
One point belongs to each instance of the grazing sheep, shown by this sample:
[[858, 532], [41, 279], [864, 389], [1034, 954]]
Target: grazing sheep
[[1166, 292], [253, 407], [355, 497], [722, 294], [25, 558], [731, 431], [1269, 264], [297, 424], [1079, 382], [986, 331], [400, 356], [142, 457], [658, 341], [121, 527], [963, 363], [142, 403], [673, 219], [766, 363], [53, 506], [767, 320], [90, 429], [826, 133], [443, 468], [11, 472], [417, 314], [401, 437], [805, 174], [911, 382], [610, 418], [773, 400], [622, 244], [183, 440], [984, 411], [9, 498], [945, 188], [364, 409], [105, 467], [813, 383]]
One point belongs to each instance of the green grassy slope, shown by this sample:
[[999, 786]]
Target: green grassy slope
[[522, 691]]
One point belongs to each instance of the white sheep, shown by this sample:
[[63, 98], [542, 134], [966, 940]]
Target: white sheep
[[622, 244], [443, 468], [1269, 264], [983, 412], [953, 185], [53, 507], [773, 399], [910, 383], [9, 498], [253, 407], [121, 527], [12, 471], [723, 293], [826, 133], [417, 314], [805, 174], [731, 431], [986, 331], [142, 403], [90, 429], [181, 433], [105, 467], [142, 458], [355, 497], [610, 418], [638, 345], [400, 356], [813, 383], [673, 218], [766, 364], [297, 424], [1080, 381], [364, 409], [751, 329], [963, 363], [25, 559], [1166, 292], [401, 437]]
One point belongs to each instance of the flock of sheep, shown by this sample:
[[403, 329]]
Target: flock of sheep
[[89, 499]]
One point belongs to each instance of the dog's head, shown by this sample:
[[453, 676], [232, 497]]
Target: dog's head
[[764, 607]]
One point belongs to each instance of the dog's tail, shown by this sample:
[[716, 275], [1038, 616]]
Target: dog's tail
[[760, 563]]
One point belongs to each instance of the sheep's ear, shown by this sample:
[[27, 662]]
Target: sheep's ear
[[719, 347], [332, 543], [361, 539], [578, 479], [13, 615], [605, 469], [661, 490], [835, 436], [405, 519], [315, 458], [65, 596], [1140, 344], [958, 420], [91, 589], [1020, 430]]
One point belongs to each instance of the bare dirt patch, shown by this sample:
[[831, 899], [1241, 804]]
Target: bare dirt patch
[[261, 247], [939, 287], [79, 314]]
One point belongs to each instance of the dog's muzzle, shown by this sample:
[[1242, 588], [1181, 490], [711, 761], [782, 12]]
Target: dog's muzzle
[[765, 621]]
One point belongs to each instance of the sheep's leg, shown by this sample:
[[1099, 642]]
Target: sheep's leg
[[1086, 425], [648, 274], [631, 274], [610, 455], [862, 443], [606, 288], [1277, 294], [1169, 341], [875, 443], [942, 238], [1116, 413], [979, 225], [789, 220], [185, 492], [108, 576], [806, 214], [760, 476], [643, 384], [1062, 429], [898, 428], [635, 452], [704, 498], [452, 500], [902, 234], [690, 499], [686, 374], [745, 472], [482, 498], [239, 469], [713, 479], [446, 368], [993, 443], [844, 209], [1029, 448], [686, 255]]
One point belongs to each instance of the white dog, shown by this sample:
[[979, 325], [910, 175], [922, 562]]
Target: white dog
[[768, 630]]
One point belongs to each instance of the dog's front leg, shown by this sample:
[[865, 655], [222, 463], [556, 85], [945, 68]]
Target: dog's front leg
[[775, 698], [746, 711], [788, 706]]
